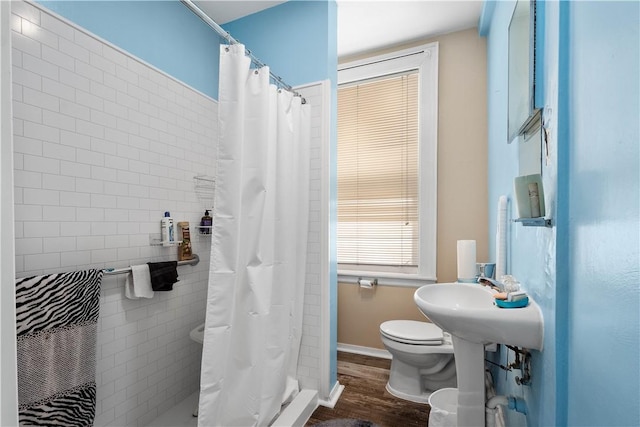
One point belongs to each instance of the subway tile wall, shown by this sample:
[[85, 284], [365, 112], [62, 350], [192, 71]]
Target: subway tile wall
[[308, 361], [104, 144]]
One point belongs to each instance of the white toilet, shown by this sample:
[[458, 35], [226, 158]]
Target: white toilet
[[197, 335], [422, 359]]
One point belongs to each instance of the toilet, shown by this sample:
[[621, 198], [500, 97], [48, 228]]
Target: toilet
[[197, 335], [422, 359]]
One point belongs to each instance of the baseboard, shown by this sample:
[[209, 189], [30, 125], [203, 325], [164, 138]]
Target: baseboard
[[333, 396], [365, 351], [298, 412]]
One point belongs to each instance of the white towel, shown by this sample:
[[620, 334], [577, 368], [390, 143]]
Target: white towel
[[138, 283]]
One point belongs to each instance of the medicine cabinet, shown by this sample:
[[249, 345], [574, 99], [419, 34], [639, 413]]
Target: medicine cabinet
[[522, 72], [524, 119]]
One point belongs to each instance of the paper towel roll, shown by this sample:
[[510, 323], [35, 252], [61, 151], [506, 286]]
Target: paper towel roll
[[466, 260]]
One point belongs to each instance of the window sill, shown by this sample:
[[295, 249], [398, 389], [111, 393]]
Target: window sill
[[384, 279]]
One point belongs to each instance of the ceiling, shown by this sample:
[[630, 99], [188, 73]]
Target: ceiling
[[369, 25], [229, 10], [366, 25]]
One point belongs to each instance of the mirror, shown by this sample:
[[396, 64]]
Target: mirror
[[524, 120], [530, 153], [521, 67]]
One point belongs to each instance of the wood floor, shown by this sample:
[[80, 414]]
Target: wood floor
[[365, 397]]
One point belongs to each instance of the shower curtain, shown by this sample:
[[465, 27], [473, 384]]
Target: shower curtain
[[258, 248]]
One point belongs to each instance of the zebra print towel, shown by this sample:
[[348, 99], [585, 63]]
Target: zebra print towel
[[57, 317]]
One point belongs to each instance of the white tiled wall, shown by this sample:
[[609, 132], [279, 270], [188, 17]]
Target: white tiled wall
[[309, 361], [104, 144]]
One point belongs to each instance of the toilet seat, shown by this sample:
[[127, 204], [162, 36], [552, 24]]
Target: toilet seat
[[412, 332]]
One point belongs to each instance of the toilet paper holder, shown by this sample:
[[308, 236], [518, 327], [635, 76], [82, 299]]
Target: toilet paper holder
[[367, 283]]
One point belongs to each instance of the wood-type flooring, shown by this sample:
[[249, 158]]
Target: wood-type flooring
[[364, 396]]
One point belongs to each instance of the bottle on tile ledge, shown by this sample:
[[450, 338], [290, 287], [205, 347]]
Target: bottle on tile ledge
[[184, 250], [166, 225], [206, 223]]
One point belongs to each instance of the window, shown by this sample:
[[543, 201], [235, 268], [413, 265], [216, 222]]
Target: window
[[378, 172], [387, 118]]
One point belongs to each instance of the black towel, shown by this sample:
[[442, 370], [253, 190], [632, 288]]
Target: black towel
[[163, 275]]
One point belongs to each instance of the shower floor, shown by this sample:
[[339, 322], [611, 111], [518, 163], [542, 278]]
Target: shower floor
[[178, 416]]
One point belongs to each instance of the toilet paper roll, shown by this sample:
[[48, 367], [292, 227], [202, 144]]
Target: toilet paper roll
[[367, 284], [466, 260]]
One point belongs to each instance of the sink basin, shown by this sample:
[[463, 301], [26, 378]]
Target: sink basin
[[468, 311]]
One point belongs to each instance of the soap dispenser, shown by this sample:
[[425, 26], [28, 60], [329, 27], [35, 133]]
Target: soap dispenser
[[205, 223]]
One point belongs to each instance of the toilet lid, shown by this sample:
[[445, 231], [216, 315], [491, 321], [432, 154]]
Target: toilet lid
[[412, 332]]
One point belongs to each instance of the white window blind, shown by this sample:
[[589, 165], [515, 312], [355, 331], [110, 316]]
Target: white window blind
[[378, 206]]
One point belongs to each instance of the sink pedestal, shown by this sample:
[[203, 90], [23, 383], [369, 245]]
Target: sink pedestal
[[470, 372]]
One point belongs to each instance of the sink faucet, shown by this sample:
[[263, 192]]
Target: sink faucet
[[492, 283]]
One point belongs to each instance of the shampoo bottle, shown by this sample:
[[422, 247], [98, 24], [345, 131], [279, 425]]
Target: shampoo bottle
[[167, 229], [206, 223]]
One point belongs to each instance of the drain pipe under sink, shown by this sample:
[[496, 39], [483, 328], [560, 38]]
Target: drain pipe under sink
[[494, 416], [491, 408]]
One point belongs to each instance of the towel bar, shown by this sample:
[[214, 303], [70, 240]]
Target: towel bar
[[111, 271]]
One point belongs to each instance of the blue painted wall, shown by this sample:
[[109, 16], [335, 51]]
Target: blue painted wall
[[604, 198], [584, 272], [165, 34], [298, 40], [292, 38], [531, 251]]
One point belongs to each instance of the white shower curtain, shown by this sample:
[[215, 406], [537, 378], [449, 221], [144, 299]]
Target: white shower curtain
[[258, 248]]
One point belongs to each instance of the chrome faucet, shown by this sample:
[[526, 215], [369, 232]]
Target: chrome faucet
[[492, 283]]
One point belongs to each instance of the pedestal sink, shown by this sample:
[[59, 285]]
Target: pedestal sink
[[468, 313]]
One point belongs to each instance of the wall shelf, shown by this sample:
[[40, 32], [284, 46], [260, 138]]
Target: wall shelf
[[204, 230], [205, 187], [535, 222], [155, 239]]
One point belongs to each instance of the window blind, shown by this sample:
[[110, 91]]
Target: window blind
[[378, 172]]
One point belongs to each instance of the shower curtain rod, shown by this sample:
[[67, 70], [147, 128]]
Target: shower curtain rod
[[227, 36]]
